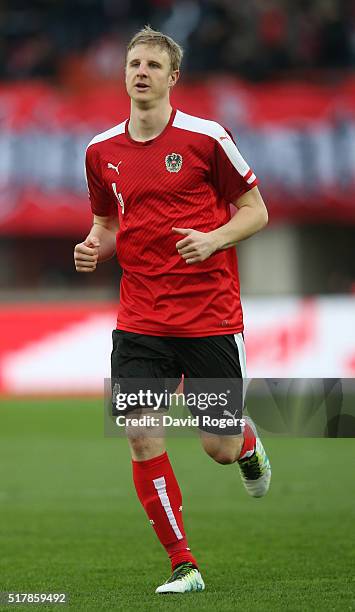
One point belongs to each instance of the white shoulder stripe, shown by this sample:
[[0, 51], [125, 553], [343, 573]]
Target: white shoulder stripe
[[196, 124], [216, 131], [114, 131]]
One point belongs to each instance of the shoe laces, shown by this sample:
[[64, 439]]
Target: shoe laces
[[182, 571], [251, 467]]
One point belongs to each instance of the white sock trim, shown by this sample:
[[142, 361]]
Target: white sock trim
[[160, 486]]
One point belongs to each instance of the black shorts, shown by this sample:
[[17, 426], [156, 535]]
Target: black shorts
[[217, 360]]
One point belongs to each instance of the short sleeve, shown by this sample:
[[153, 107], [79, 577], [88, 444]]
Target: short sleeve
[[102, 203], [231, 175]]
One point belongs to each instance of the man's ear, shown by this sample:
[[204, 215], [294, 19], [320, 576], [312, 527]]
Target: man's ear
[[173, 78]]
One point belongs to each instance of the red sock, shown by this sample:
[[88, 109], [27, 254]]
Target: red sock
[[160, 496], [249, 442]]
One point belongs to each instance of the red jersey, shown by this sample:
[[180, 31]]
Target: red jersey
[[185, 177]]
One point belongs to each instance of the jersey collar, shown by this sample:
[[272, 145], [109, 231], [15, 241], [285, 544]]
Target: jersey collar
[[153, 140]]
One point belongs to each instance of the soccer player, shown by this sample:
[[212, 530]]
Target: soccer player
[[160, 186]]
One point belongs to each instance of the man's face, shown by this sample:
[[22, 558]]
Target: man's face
[[148, 74]]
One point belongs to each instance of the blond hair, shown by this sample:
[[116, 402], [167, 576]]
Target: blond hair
[[148, 36]]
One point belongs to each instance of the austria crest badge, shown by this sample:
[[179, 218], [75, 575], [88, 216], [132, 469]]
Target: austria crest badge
[[173, 162]]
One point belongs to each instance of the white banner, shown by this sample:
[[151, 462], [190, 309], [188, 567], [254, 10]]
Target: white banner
[[285, 337]]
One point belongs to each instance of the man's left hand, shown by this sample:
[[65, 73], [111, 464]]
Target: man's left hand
[[195, 246]]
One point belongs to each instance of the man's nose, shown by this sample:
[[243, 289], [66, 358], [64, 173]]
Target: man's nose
[[142, 68]]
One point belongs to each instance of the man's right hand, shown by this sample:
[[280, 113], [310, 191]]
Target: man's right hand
[[86, 254]]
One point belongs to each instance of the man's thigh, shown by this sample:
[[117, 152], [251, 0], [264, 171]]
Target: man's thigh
[[214, 368], [211, 356], [141, 364]]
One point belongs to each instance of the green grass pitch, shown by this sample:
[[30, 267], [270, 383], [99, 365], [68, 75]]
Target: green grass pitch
[[70, 520]]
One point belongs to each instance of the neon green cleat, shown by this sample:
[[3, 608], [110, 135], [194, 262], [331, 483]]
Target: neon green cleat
[[255, 471], [184, 579]]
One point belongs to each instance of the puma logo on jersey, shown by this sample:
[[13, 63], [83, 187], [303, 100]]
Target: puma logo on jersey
[[230, 414], [113, 167], [224, 138]]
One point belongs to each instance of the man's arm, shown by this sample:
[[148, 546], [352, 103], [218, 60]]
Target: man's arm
[[99, 245], [251, 217]]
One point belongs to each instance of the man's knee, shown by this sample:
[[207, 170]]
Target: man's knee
[[222, 450], [139, 444], [224, 457], [145, 447]]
